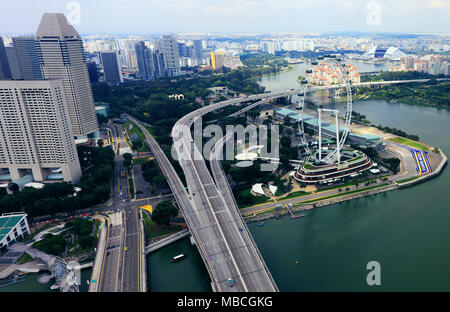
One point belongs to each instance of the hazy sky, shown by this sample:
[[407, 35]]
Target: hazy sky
[[226, 16]]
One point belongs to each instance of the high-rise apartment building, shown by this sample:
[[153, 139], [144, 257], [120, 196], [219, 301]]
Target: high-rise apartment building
[[217, 60], [61, 55], [111, 67], [168, 46], [198, 49], [36, 137], [27, 58], [5, 73], [150, 62]]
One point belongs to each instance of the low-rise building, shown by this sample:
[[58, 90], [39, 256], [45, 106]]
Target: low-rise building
[[13, 226]]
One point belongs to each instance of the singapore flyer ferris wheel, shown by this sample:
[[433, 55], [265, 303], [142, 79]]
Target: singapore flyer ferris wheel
[[343, 82]]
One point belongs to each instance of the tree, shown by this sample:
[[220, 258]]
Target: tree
[[127, 159], [163, 212]]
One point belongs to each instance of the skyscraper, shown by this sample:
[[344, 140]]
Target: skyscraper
[[93, 71], [27, 58], [5, 73], [61, 54], [16, 74], [197, 53], [111, 67], [169, 48], [150, 62], [36, 136]]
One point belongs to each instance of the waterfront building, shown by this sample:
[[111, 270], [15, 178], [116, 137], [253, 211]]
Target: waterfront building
[[324, 74], [36, 138], [61, 55], [13, 226]]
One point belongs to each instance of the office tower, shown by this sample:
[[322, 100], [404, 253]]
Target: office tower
[[197, 53], [150, 62], [167, 45], [5, 73], [11, 55], [36, 136], [111, 67], [61, 53], [27, 58], [93, 71]]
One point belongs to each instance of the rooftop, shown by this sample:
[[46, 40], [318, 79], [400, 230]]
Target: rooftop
[[8, 222]]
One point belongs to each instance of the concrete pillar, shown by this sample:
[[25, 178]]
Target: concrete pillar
[[337, 139], [320, 135], [37, 173], [14, 172]]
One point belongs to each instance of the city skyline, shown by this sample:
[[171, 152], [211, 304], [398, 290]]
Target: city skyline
[[149, 16]]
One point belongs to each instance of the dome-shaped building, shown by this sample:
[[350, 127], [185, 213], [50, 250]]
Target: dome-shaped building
[[391, 53]]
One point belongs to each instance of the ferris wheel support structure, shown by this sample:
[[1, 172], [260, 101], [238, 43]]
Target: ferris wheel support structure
[[334, 156]]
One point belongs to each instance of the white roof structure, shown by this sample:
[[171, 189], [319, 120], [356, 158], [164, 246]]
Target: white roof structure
[[246, 156], [35, 185], [375, 171], [257, 188], [391, 53], [273, 189]]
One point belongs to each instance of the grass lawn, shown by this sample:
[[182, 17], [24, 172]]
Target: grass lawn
[[25, 258], [294, 194], [408, 142], [140, 161], [407, 180], [30, 237], [344, 193], [154, 230], [139, 133], [246, 199], [130, 182]]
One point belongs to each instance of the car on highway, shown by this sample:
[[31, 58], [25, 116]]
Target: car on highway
[[230, 282], [126, 248]]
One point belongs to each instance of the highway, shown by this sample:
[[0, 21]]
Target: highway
[[121, 271], [220, 254]]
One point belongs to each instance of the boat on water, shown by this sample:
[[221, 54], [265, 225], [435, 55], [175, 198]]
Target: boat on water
[[261, 224], [178, 258]]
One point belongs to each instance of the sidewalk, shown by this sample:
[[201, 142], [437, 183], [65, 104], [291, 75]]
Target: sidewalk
[[98, 264]]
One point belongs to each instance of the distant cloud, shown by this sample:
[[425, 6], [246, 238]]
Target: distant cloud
[[436, 3]]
